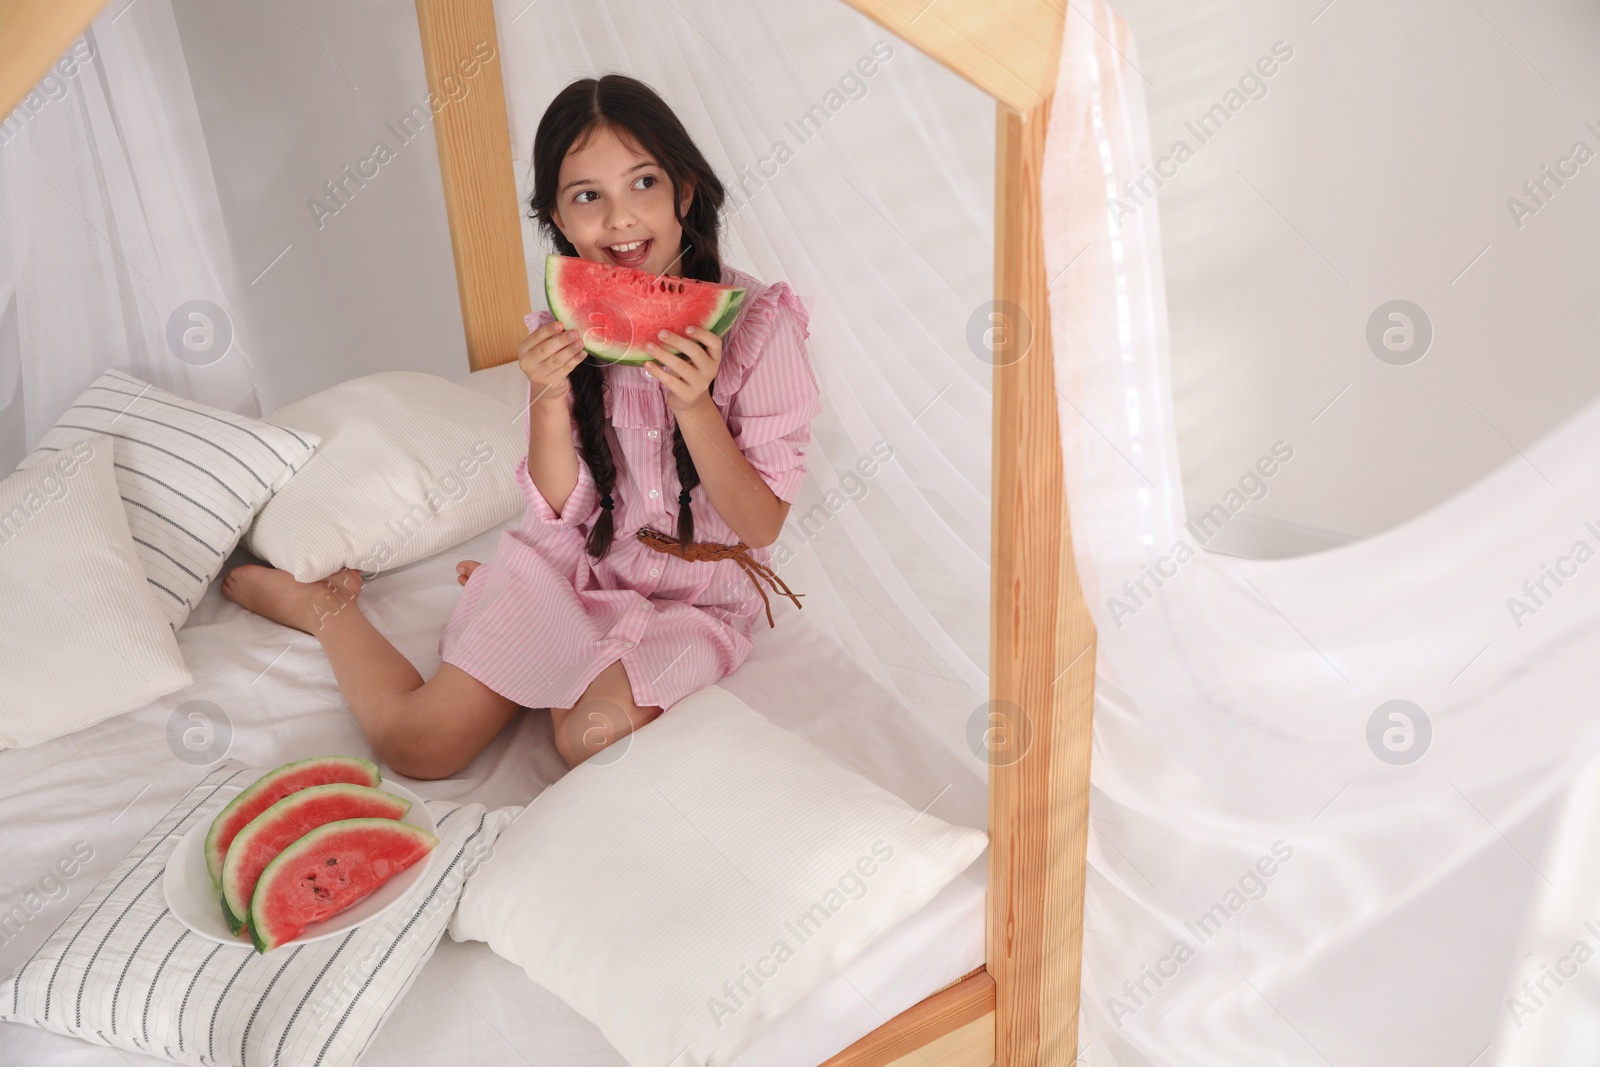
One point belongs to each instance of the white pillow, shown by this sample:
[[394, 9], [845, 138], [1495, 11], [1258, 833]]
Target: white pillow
[[82, 637], [121, 971], [191, 476], [410, 464], [717, 850]]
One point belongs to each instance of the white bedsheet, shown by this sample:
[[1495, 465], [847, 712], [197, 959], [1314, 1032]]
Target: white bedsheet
[[105, 786]]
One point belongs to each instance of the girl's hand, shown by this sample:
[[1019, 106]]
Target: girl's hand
[[464, 570], [687, 365], [547, 356]]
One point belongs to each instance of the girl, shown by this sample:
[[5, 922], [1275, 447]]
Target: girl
[[653, 492]]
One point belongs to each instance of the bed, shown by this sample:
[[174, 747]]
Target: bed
[[987, 973], [469, 1006]]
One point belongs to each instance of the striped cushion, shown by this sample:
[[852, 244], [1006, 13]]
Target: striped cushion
[[191, 476], [121, 971]]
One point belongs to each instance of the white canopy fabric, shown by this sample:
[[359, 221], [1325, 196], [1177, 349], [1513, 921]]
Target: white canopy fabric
[[1285, 865], [113, 250]]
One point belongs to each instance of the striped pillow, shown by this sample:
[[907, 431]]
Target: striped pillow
[[191, 477], [122, 972]]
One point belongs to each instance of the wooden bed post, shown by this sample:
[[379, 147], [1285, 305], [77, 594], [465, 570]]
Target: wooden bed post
[[1024, 1004], [1041, 665], [1041, 643], [480, 190], [33, 35]]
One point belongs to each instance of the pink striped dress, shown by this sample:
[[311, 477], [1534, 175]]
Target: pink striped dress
[[541, 620]]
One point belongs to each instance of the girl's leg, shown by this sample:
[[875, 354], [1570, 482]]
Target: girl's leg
[[420, 729], [603, 716], [608, 712]]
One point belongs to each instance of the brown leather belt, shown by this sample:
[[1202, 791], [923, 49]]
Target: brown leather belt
[[708, 550]]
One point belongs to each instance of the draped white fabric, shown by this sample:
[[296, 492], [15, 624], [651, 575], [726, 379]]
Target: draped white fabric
[[1275, 877], [895, 565], [109, 229]]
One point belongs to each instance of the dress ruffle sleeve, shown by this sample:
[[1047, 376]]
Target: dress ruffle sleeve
[[766, 389]]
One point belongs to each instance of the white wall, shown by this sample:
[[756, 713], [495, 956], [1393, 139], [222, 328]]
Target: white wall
[[1377, 166], [290, 93]]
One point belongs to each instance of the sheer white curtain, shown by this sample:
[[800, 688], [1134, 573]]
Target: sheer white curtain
[[1284, 865], [110, 230], [879, 214]]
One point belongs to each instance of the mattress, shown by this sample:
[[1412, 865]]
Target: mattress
[[275, 691]]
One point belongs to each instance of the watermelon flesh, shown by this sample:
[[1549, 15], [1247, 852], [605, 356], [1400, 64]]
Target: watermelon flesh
[[327, 870], [619, 310], [291, 818], [273, 787]]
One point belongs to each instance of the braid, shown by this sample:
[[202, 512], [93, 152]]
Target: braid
[[589, 412], [688, 478]]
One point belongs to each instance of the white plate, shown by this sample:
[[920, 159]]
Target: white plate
[[194, 901]]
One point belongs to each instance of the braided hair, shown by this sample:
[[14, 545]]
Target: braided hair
[[635, 113]]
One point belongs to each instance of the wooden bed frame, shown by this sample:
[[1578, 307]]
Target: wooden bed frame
[[1021, 1008]]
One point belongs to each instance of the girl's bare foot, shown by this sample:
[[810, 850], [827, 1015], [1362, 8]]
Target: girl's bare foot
[[464, 570], [305, 606]]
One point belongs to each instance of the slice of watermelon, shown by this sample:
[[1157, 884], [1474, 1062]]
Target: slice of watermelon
[[291, 818], [326, 871], [273, 787], [619, 310]]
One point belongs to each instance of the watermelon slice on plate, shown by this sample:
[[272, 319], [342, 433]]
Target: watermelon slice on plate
[[193, 898], [273, 787], [619, 310], [327, 870], [291, 818]]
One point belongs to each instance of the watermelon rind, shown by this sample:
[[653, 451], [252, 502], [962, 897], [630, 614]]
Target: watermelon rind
[[721, 326], [718, 320], [351, 769], [369, 802], [264, 939]]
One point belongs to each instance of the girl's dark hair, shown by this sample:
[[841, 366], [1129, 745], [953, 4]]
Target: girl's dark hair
[[634, 112]]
